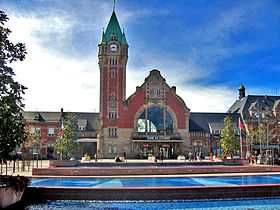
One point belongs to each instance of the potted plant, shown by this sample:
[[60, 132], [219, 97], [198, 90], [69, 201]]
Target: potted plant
[[11, 189]]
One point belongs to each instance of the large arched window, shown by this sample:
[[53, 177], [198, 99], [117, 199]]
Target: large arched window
[[153, 121]]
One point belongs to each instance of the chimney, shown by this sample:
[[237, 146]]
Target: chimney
[[173, 88], [242, 91], [61, 112]]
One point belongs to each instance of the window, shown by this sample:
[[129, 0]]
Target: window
[[112, 115], [113, 73], [51, 132], [217, 132], [115, 149], [35, 130], [112, 132], [112, 102], [155, 120], [113, 61], [112, 107], [155, 92]]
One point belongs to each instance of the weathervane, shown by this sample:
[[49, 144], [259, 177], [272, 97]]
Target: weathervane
[[114, 5]]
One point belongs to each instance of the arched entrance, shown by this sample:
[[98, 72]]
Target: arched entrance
[[155, 133]]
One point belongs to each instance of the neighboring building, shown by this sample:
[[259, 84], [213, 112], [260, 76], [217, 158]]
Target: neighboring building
[[205, 131], [153, 120], [48, 125], [256, 110]]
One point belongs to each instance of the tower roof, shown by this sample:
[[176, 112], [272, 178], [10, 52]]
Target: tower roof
[[242, 87], [113, 29]]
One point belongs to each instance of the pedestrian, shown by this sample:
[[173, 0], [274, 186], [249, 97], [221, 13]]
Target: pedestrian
[[95, 157], [190, 156], [124, 156], [161, 157]]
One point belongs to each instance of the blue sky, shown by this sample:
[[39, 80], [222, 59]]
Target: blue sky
[[205, 48]]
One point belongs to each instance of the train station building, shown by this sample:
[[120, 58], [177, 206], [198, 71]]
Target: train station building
[[153, 120]]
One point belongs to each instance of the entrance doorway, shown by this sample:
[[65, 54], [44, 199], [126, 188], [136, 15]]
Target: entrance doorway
[[167, 150], [147, 150], [88, 148]]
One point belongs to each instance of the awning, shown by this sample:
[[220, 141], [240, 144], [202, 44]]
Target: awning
[[87, 140], [158, 141]]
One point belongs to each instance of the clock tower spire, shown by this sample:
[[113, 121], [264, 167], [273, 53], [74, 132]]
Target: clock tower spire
[[112, 60]]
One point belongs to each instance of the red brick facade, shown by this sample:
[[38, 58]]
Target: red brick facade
[[46, 141]]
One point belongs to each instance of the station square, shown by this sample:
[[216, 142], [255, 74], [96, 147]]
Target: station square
[[148, 150]]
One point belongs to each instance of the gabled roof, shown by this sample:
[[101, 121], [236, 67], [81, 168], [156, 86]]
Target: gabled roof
[[203, 121], [155, 75], [91, 117], [113, 29], [242, 106], [44, 116]]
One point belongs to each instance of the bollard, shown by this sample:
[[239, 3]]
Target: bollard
[[14, 166]]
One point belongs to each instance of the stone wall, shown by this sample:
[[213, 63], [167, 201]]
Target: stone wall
[[116, 146]]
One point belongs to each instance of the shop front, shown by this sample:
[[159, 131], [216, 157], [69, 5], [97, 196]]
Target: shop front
[[168, 150]]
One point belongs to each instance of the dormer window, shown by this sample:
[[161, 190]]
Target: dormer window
[[82, 124], [37, 117], [113, 37], [217, 132]]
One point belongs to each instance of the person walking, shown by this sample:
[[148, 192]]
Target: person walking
[[124, 156]]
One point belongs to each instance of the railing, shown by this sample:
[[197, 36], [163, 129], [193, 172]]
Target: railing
[[22, 166]]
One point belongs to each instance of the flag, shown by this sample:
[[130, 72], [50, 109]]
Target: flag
[[240, 124], [61, 133]]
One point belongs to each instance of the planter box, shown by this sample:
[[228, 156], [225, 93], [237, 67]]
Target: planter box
[[63, 163], [9, 196]]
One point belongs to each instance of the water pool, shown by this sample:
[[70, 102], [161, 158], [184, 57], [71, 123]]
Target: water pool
[[154, 181], [256, 204]]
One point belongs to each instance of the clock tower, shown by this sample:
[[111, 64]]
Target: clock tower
[[112, 57]]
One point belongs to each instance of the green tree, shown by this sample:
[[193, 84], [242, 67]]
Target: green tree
[[65, 143], [256, 134], [12, 132], [35, 141], [229, 141]]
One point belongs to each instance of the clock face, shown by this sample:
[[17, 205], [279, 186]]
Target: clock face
[[113, 47]]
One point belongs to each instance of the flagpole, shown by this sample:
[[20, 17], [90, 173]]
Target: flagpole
[[240, 125], [241, 150]]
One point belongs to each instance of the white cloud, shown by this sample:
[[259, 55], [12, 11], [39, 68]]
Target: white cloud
[[56, 80], [205, 99]]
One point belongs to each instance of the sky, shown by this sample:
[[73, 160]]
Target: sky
[[205, 48]]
